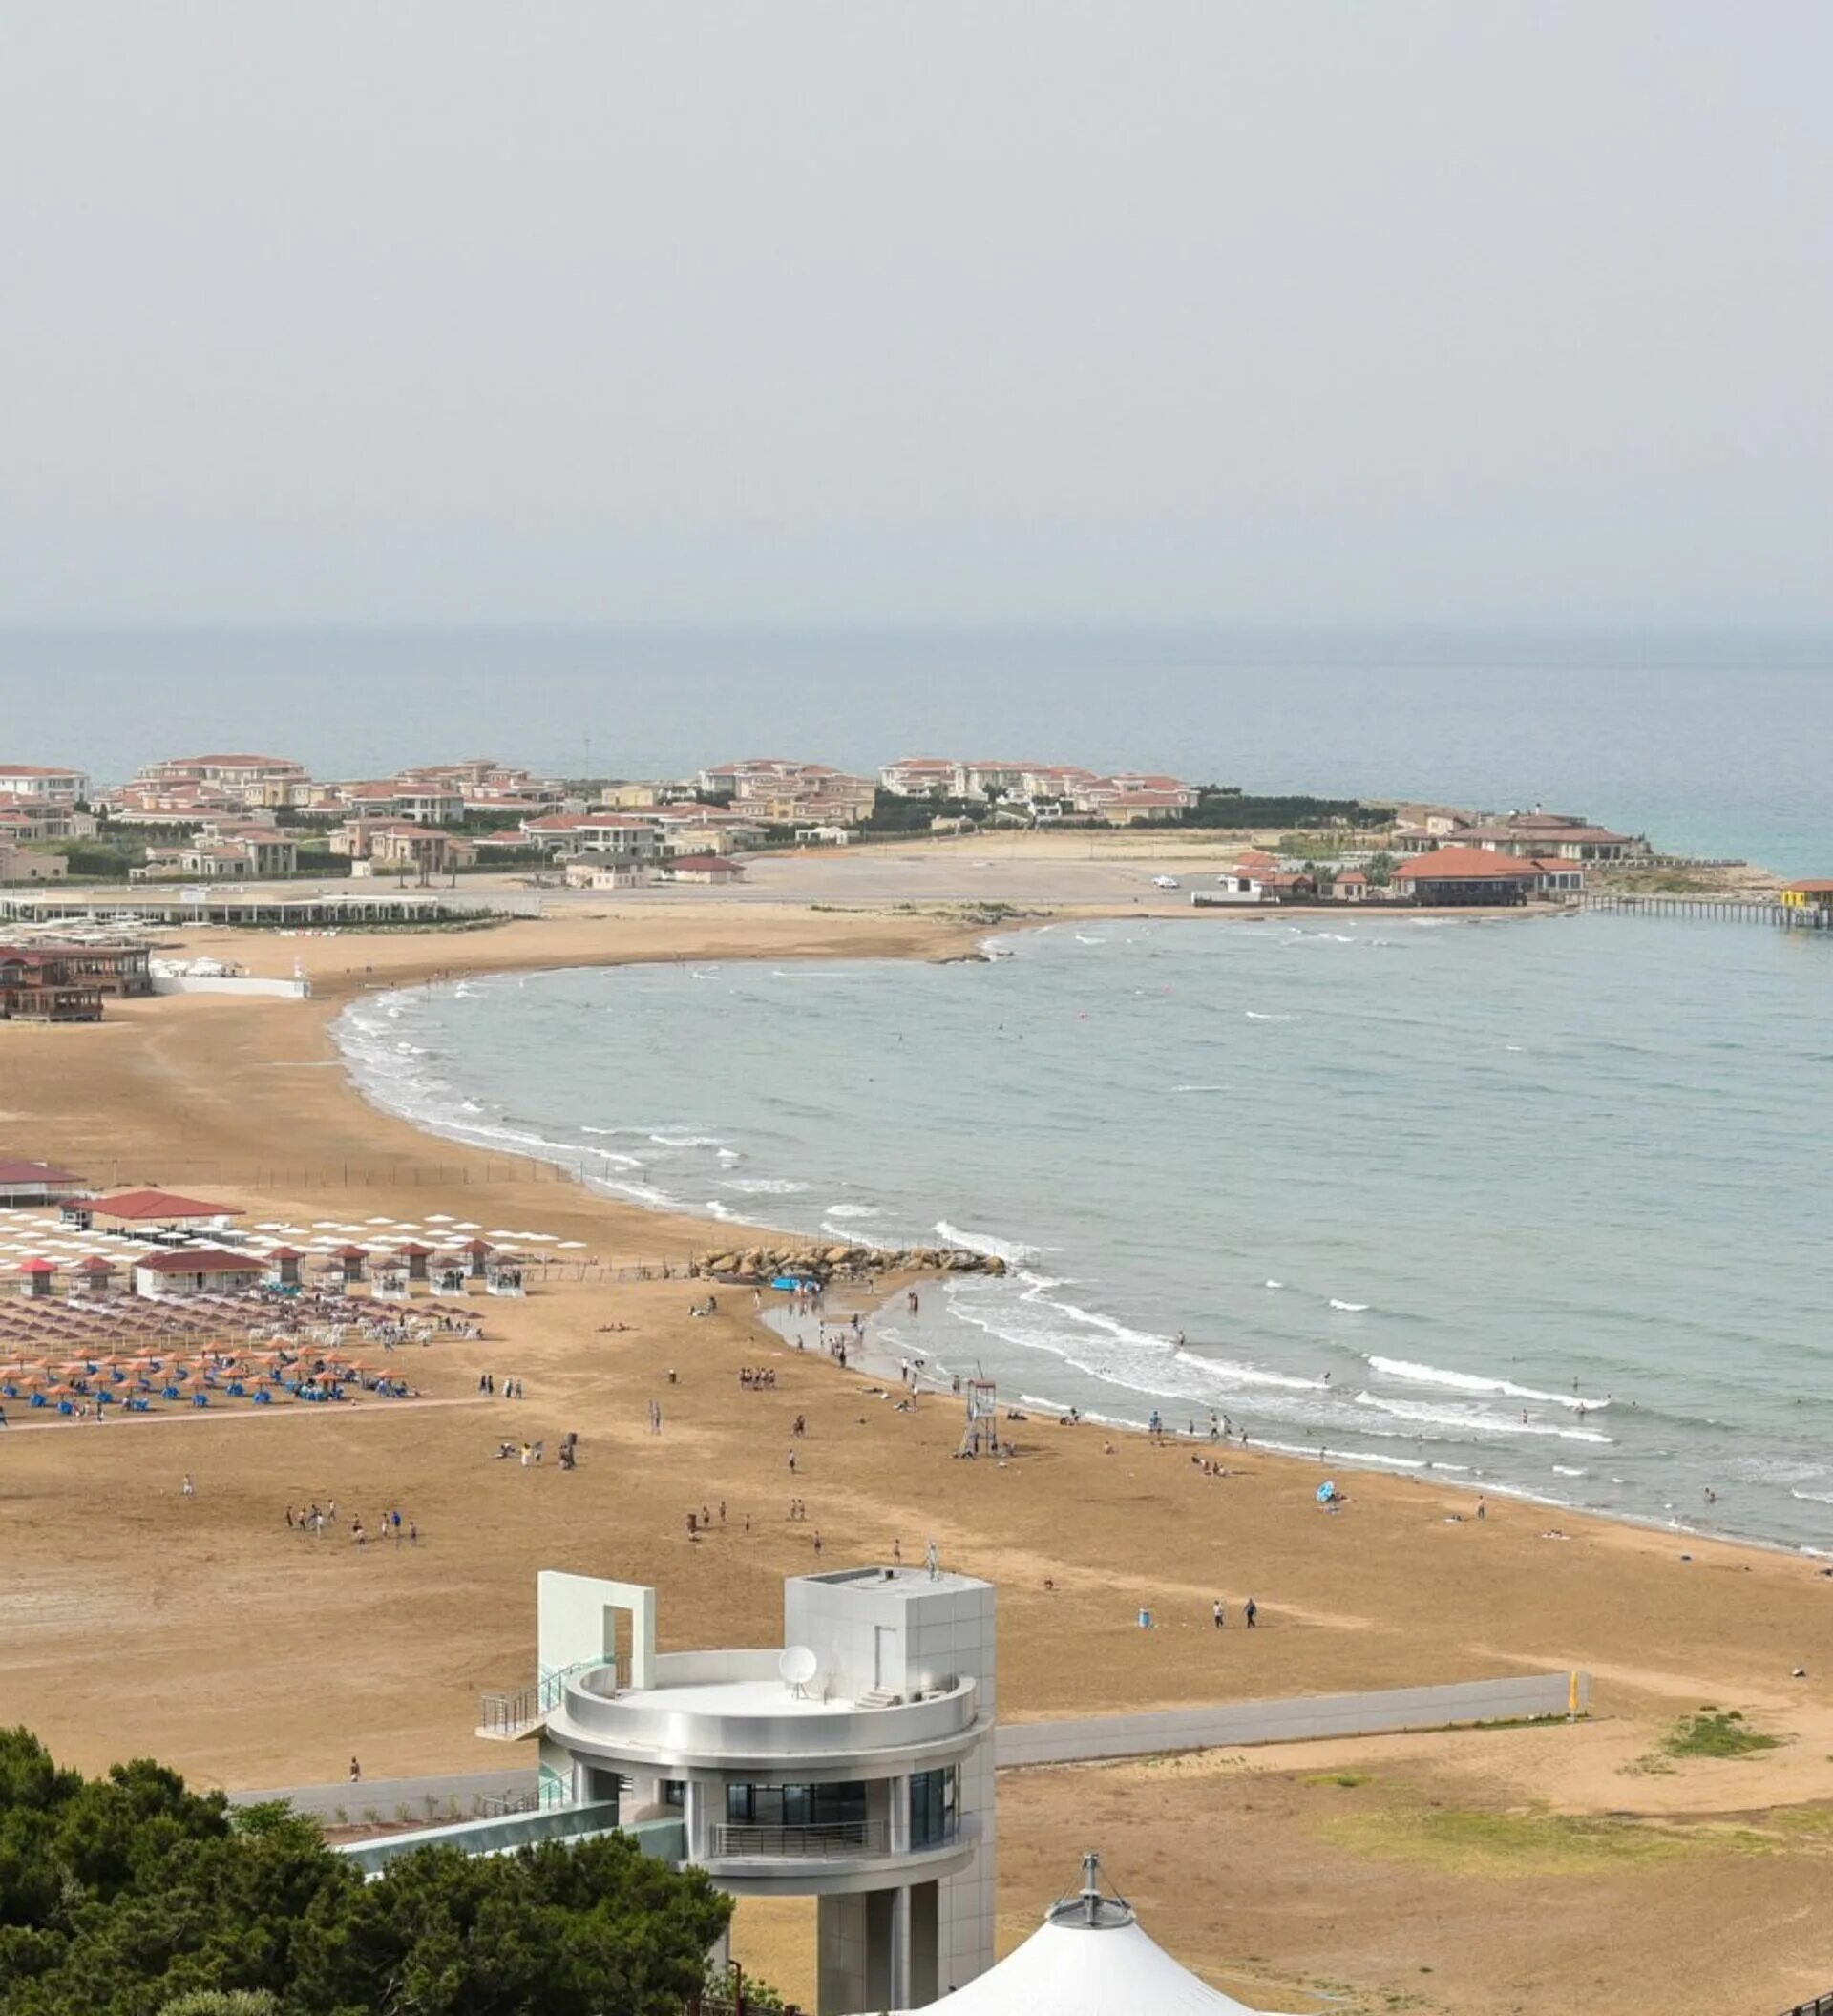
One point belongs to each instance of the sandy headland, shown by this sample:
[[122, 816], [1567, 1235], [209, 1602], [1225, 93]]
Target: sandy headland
[[202, 1631]]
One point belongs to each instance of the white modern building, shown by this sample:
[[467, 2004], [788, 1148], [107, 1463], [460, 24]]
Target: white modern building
[[853, 1764]]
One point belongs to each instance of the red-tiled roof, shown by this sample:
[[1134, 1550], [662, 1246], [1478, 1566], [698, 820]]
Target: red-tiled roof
[[199, 1260], [1466, 864], [158, 1205], [1814, 886], [285, 763], [18, 1172], [708, 861]]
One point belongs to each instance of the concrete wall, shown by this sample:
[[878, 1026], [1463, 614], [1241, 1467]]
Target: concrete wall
[[1249, 1722], [576, 1620], [242, 983]]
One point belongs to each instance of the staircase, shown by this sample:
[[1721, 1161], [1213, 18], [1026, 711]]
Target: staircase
[[510, 1716]]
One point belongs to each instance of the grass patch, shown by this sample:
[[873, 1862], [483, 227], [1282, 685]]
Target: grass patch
[[1477, 1843], [1715, 1733], [1347, 1779]]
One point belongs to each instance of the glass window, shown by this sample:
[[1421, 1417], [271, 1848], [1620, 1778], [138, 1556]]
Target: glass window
[[738, 1804], [932, 1807], [674, 1791]]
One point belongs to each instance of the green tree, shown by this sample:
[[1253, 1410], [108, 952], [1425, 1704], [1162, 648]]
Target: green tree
[[130, 1894]]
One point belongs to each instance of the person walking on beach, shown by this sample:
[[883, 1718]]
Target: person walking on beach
[[356, 1772], [1251, 1611], [187, 1489], [817, 1542], [1216, 1613]]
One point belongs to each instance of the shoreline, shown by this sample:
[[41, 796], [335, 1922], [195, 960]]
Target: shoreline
[[1444, 1474], [1403, 1590]]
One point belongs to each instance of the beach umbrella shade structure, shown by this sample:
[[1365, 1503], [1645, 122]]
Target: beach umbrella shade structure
[[1089, 1958]]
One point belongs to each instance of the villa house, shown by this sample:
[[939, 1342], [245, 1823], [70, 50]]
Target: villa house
[[244, 780], [403, 846], [18, 864], [42, 784], [704, 868], [620, 836], [918, 777]]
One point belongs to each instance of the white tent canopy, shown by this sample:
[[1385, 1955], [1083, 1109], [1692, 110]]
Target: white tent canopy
[[1089, 1957]]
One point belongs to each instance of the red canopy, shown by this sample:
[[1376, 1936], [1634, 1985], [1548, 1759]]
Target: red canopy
[[158, 1206]]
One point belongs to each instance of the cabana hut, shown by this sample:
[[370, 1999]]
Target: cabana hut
[[416, 1256], [477, 1252], [447, 1275], [97, 1273], [352, 1260], [284, 1266], [37, 1277], [503, 1274], [391, 1283]]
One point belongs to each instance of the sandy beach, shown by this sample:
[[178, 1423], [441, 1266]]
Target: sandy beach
[[136, 1621]]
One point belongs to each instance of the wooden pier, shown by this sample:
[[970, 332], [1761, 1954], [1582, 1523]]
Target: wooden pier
[[1722, 910]]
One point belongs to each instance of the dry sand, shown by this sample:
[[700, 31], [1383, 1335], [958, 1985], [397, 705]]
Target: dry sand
[[134, 1621]]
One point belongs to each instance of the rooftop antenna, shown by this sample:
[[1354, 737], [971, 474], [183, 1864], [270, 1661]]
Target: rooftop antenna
[[1088, 1908]]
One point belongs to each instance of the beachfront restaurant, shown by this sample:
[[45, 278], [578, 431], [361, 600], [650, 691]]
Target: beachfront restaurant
[[1467, 877], [28, 1183]]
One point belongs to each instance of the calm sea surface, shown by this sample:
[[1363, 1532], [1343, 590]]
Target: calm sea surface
[[1538, 1205]]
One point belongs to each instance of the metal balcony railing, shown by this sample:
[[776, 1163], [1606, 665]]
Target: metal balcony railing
[[836, 1837], [515, 1713]]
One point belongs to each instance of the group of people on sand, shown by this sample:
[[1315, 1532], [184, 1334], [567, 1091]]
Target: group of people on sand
[[1250, 1614], [320, 1519], [756, 1378], [508, 1389]]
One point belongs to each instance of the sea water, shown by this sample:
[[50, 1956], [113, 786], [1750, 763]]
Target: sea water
[[1533, 1206]]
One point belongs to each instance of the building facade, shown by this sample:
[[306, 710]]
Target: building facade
[[854, 1764]]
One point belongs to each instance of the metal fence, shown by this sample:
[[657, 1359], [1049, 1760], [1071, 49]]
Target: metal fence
[[837, 1838]]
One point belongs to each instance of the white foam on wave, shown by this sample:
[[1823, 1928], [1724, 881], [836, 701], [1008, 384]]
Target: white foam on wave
[[1013, 1251], [1472, 1419], [1476, 1382], [1082, 940], [1814, 1498], [1566, 1470], [1255, 1015], [764, 1186], [1200, 1088], [686, 1141], [1351, 1309], [1272, 1284], [852, 1211]]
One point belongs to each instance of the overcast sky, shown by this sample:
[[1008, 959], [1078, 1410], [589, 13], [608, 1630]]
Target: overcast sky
[[828, 310]]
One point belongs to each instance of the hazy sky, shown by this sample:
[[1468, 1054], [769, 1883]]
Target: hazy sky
[[1262, 311]]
